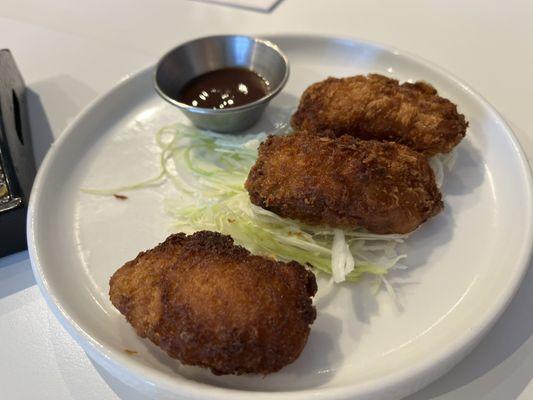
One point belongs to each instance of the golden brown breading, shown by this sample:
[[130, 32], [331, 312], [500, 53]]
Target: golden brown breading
[[377, 107], [208, 302], [344, 182]]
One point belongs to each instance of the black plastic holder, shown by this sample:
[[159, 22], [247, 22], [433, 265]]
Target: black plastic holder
[[17, 165]]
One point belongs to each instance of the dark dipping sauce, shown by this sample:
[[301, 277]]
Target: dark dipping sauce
[[224, 88]]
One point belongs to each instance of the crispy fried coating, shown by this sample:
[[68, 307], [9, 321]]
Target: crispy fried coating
[[208, 302], [377, 107], [344, 182]]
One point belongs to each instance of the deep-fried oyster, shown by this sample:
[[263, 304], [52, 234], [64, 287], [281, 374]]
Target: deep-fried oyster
[[377, 107], [344, 182], [208, 302]]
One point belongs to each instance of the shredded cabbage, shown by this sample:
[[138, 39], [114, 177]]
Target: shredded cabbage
[[208, 171], [440, 163]]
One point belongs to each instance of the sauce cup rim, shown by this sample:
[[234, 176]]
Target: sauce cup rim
[[199, 110]]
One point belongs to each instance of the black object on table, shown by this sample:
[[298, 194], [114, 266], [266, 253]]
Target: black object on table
[[17, 165]]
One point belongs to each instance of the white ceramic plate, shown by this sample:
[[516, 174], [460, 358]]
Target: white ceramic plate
[[465, 264]]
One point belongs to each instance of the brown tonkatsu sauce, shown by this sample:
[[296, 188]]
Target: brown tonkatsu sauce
[[224, 88]]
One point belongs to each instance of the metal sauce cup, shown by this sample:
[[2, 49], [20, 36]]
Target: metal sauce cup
[[197, 57]]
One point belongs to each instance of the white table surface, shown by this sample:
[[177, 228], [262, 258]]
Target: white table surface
[[71, 51]]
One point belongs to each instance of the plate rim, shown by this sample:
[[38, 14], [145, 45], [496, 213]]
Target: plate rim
[[432, 366]]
